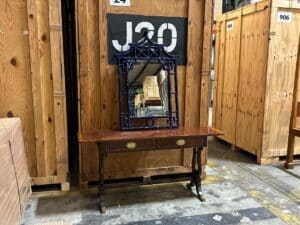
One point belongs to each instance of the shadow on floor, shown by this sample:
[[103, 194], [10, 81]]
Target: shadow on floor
[[219, 149]]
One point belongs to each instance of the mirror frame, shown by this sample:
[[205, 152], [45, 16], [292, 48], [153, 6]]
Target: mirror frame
[[146, 50]]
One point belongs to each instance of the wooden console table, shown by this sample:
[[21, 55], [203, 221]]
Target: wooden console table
[[164, 139]]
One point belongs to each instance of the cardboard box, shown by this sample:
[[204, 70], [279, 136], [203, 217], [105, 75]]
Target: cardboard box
[[150, 87], [138, 99]]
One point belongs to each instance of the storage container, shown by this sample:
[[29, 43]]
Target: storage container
[[256, 54]]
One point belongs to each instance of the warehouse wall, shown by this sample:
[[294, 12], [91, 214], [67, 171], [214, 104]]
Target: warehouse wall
[[99, 92]]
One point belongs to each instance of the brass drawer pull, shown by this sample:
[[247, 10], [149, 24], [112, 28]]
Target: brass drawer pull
[[131, 145], [180, 142]]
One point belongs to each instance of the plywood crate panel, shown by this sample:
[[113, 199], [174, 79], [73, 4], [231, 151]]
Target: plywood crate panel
[[14, 174], [255, 67], [99, 97], [19, 160], [32, 83]]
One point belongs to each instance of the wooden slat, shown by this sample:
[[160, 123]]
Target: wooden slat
[[219, 73], [90, 87], [47, 86], [36, 86], [194, 67], [193, 80], [42, 86], [231, 77], [216, 88], [206, 68], [206, 62], [58, 88]]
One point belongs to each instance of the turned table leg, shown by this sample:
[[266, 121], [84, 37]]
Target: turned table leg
[[199, 175], [101, 179], [196, 173]]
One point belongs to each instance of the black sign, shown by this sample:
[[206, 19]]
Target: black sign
[[124, 29]]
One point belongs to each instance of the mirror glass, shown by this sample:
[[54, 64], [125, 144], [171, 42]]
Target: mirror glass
[[148, 90]]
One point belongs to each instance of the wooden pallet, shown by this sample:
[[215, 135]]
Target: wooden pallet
[[52, 182], [63, 187]]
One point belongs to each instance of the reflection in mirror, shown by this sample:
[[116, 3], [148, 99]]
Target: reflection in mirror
[[148, 90]]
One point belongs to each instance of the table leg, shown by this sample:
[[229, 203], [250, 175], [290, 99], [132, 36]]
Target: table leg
[[101, 179], [198, 176], [194, 171]]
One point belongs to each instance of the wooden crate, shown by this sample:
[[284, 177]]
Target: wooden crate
[[256, 54], [32, 84], [14, 174], [99, 107]]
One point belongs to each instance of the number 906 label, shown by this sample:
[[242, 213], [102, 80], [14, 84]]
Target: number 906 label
[[284, 17]]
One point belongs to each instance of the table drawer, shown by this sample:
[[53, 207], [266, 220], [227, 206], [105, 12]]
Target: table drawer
[[181, 142], [132, 145]]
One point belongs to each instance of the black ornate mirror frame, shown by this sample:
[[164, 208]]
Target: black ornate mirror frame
[[146, 50]]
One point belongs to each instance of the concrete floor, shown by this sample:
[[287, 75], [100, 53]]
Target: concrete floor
[[237, 190]]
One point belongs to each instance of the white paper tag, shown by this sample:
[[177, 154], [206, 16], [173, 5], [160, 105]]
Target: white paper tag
[[285, 17], [229, 25], [120, 2]]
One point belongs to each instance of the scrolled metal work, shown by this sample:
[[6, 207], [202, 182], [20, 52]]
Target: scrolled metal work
[[144, 54]]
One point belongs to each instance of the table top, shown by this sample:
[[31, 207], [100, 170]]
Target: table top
[[111, 136]]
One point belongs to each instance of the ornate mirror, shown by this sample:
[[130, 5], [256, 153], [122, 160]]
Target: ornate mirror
[[147, 87]]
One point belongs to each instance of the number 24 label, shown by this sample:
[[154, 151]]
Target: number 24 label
[[120, 2]]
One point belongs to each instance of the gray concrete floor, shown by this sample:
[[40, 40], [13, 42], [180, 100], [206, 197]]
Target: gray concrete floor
[[237, 190]]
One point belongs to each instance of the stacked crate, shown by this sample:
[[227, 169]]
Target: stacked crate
[[14, 175], [256, 54]]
